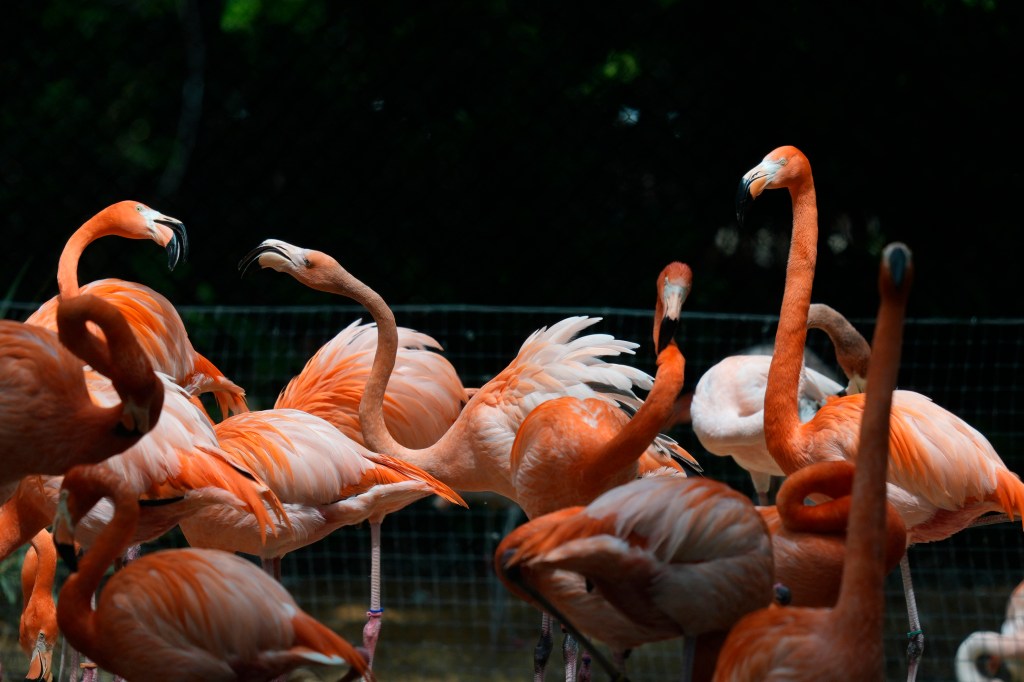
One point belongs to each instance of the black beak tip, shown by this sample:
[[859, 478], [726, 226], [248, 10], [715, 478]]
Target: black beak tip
[[67, 554]]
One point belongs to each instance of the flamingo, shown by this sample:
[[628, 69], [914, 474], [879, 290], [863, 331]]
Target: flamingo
[[845, 641], [945, 474], [325, 480], [38, 625], [675, 556], [568, 450], [851, 348], [48, 422], [1004, 646], [203, 614], [473, 455], [153, 318], [424, 395], [175, 470]]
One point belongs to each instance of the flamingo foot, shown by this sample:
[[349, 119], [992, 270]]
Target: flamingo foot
[[915, 648], [371, 632]]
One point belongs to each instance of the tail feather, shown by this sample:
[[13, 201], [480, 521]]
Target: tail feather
[[212, 468], [402, 471], [1010, 493], [317, 642]]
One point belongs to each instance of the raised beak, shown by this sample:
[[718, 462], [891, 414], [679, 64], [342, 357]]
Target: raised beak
[[254, 256], [177, 247]]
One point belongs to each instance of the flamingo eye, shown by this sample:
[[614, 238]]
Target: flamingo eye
[[306, 262]]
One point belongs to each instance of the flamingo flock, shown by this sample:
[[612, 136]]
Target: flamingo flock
[[108, 447]]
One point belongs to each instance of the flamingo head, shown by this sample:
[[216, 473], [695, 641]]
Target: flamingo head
[[315, 269], [674, 285], [39, 666], [135, 220], [784, 166]]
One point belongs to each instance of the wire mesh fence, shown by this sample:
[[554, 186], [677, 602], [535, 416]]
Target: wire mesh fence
[[446, 615]]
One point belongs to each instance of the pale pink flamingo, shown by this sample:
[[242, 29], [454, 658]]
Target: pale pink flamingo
[[38, 624], [1005, 646], [423, 399], [154, 320], [569, 450], [677, 557], [325, 481], [48, 421], [845, 641], [472, 456], [198, 613]]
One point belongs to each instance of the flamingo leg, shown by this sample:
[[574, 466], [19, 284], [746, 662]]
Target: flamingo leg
[[762, 486], [570, 653], [542, 651], [69, 659], [584, 675], [371, 631], [689, 651], [916, 636], [272, 567]]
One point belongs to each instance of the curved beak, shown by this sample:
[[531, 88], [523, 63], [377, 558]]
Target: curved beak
[[177, 245], [750, 188], [673, 297], [64, 533], [271, 247]]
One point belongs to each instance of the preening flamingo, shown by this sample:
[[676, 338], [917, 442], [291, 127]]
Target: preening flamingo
[[472, 456], [423, 399], [851, 348], [48, 422], [325, 480], [569, 450], [944, 473], [154, 319], [844, 642], [679, 557], [199, 614], [1005, 646], [38, 625], [176, 469]]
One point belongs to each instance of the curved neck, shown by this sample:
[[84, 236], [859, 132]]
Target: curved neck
[[852, 350], [861, 597], [781, 400], [633, 439], [46, 567], [67, 268], [22, 516], [834, 479], [982, 643], [75, 615]]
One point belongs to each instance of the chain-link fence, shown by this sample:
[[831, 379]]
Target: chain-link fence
[[446, 615]]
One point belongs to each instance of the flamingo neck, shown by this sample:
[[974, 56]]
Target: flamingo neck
[[852, 350], [833, 479], [21, 518], [46, 568], [75, 614], [633, 439], [67, 268], [861, 598], [781, 400]]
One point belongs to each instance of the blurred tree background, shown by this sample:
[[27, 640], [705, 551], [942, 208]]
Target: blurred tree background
[[527, 153]]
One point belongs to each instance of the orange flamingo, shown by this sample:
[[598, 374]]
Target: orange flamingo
[[809, 540], [676, 556], [38, 625], [325, 480], [473, 455], [945, 475], [1005, 646], [568, 450], [843, 642], [48, 422], [851, 348], [177, 469], [203, 614], [424, 396], [155, 321]]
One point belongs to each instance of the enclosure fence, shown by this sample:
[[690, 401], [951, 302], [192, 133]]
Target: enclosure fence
[[446, 615]]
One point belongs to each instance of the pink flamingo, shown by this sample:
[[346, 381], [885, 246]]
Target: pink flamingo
[[38, 624], [154, 320], [845, 641], [203, 614]]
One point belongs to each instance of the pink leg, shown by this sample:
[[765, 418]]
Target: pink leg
[[371, 631], [543, 649]]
